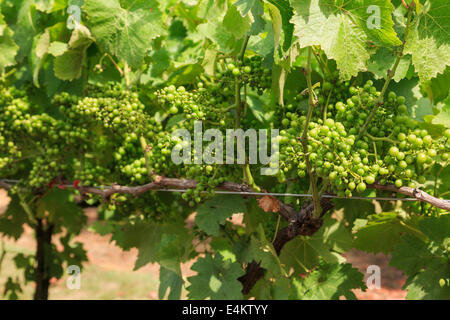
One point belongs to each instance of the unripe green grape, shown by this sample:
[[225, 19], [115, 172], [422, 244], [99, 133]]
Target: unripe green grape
[[398, 183], [421, 158], [361, 187], [370, 179]]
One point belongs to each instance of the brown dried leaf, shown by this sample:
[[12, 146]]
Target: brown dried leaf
[[269, 204]]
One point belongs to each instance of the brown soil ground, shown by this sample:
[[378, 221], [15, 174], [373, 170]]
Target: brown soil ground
[[104, 254]]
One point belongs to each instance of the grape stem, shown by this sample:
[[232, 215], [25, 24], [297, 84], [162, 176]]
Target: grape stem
[[325, 109], [322, 62], [118, 68], [239, 104], [126, 73], [304, 138], [380, 138], [237, 85], [390, 75], [145, 149]]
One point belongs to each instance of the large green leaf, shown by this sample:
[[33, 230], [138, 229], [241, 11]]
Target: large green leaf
[[69, 60], [429, 39], [384, 59], [235, 23], [380, 233], [260, 250], [329, 281], [8, 48], [426, 285], [166, 244], [426, 261], [13, 219], [304, 253], [244, 6], [410, 255], [171, 280], [443, 117], [216, 32], [217, 279], [286, 12], [59, 207], [436, 228], [213, 212], [125, 32], [342, 30]]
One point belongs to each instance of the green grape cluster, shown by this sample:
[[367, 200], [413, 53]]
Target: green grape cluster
[[112, 106], [393, 149], [32, 140], [260, 78], [151, 206], [204, 104], [249, 71]]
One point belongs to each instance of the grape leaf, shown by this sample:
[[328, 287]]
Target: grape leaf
[[209, 61], [57, 48], [69, 64], [174, 246], [329, 281], [304, 253], [224, 247], [211, 9], [44, 5], [379, 233], [436, 228], [260, 250], [8, 48], [166, 244], [217, 33], [286, 12], [354, 209], [235, 23], [343, 30], [439, 86], [426, 286], [217, 279], [425, 262], [410, 255], [124, 33], [276, 23], [171, 280], [422, 108], [428, 42], [383, 60], [43, 44], [443, 117], [143, 236], [244, 6], [259, 23], [13, 219], [215, 211], [262, 44], [59, 207]]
